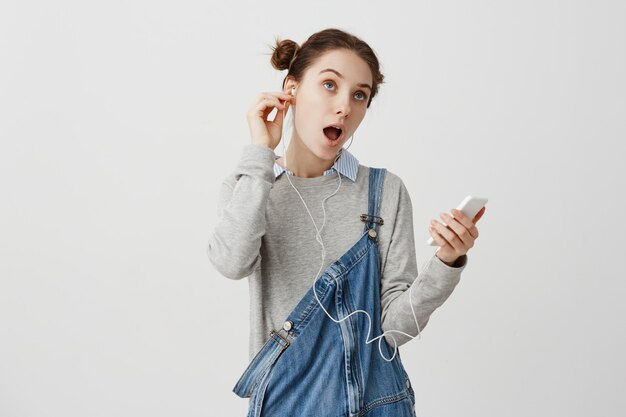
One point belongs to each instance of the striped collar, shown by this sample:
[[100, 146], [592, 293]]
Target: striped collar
[[347, 164]]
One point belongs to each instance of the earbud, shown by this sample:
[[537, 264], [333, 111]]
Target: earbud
[[293, 91]]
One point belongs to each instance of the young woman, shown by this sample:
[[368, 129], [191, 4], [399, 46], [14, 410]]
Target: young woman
[[327, 245]]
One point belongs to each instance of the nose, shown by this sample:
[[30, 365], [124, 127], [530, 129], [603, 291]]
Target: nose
[[343, 106]]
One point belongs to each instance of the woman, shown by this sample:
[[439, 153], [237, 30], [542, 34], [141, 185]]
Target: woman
[[312, 325]]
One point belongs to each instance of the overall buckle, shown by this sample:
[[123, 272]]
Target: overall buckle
[[367, 218]]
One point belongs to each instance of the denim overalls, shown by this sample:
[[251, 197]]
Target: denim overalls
[[314, 366]]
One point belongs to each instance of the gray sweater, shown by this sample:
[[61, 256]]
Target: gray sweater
[[263, 232]]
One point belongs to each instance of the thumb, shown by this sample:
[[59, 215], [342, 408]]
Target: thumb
[[280, 115], [479, 215]]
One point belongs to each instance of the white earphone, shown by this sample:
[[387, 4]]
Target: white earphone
[[318, 237]]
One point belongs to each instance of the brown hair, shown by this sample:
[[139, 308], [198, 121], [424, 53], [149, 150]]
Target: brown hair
[[287, 55]]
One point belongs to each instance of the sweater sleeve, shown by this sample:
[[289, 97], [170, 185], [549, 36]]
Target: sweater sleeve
[[234, 243], [431, 288]]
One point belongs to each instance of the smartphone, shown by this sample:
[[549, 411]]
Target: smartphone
[[470, 206]]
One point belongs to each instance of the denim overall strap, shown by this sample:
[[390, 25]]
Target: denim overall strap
[[262, 362], [372, 219]]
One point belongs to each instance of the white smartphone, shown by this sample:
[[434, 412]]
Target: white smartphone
[[470, 206]]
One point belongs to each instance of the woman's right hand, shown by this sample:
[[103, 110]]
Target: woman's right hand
[[263, 131]]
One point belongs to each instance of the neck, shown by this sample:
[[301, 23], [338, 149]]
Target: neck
[[302, 162]]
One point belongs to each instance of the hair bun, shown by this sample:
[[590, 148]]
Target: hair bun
[[283, 53]]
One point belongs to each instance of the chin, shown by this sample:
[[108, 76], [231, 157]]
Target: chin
[[327, 154], [322, 151]]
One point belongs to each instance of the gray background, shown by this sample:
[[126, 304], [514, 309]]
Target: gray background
[[120, 119]]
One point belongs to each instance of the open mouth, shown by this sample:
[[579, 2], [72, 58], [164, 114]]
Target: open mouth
[[333, 132]]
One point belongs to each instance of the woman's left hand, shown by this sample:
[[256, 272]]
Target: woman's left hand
[[457, 238]]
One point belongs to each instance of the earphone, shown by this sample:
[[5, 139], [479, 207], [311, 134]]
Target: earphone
[[319, 239]]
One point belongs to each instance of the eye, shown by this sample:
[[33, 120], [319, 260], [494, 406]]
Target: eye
[[328, 82], [361, 95]]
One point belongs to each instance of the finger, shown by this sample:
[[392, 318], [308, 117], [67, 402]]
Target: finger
[[281, 94], [463, 225], [276, 95], [441, 242], [462, 218], [265, 99], [265, 107], [287, 96], [465, 221], [280, 115], [461, 231], [272, 102], [266, 112], [479, 214], [282, 112], [450, 237]]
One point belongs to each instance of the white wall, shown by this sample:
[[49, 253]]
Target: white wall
[[119, 121]]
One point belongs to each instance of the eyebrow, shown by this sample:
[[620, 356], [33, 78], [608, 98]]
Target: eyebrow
[[341, 76]]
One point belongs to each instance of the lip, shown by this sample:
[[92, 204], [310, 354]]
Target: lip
[[333, 143], [343, 130]]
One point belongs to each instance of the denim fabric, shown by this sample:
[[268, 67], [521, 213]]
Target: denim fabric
[[314, 366]]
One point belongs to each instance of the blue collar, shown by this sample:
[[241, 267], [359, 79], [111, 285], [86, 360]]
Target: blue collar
[[347, 164]]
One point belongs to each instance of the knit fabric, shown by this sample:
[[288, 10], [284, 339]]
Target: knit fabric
[[264, 233]]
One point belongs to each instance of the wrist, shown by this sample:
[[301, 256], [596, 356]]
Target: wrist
[[264, 144], [448, 262]]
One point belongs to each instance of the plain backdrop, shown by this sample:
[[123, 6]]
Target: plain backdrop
[[119, 120]]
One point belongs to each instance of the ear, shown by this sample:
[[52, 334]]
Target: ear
[[290, 82]]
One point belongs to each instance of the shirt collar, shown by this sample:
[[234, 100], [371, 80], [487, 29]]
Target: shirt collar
[[347, 164]]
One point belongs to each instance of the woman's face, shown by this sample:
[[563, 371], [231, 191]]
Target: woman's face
[[335, 90]]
